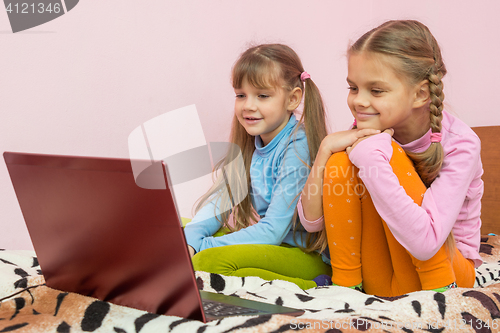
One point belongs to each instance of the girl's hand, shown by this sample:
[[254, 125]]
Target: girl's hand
[[191, 251], [340, 141], [389, 131], [312, 197]]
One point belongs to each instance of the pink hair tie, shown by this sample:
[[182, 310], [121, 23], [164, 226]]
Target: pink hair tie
[[304, 76], [355, 123], [435, 137]]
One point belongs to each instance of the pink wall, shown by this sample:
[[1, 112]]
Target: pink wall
[[80, 84]]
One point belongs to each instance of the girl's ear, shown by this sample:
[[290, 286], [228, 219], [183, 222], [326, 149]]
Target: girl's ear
[[422, 94], [294, 99]]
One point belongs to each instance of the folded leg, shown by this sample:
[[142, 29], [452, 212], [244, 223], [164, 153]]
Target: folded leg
[[362, 247], [268, 262]]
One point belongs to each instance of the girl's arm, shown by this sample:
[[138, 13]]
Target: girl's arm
[[309, 225], [422, 230], [310, 207], [204, 224], [276, 223]]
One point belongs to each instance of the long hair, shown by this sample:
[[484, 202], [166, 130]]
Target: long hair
[[418, 58], [263, 66]]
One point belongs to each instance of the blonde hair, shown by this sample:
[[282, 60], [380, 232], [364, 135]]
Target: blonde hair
[[419, 55], [419, 58], [263, 66]]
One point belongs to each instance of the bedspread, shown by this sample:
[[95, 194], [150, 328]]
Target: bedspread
[[27, 305]]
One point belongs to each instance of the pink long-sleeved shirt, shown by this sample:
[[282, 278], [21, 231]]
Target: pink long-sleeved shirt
[[451, 203]]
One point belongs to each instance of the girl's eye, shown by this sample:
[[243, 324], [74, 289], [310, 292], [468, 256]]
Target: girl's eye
[[240, 95], [352, 89], [263, 96], [377, 91]]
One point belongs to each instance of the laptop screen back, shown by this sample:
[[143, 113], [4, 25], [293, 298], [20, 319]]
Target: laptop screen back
[[97, 233]]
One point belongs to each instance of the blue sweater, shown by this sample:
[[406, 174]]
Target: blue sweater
[[278, 175]]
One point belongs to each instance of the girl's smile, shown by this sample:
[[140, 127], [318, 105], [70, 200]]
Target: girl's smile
[[379, 99], [262, 112], [365, 116], [252, 120]]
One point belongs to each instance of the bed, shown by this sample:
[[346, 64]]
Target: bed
[[27, 305]]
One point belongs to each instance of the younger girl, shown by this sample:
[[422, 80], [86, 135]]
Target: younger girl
[[269, 82], [388, 230]]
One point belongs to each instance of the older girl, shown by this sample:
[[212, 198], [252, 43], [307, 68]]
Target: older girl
[[396, 224]]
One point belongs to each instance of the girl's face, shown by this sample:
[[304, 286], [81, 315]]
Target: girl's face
[[263, 112], [378, 98]]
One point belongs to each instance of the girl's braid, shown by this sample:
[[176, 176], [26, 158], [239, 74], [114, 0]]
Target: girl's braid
[[437, 97]]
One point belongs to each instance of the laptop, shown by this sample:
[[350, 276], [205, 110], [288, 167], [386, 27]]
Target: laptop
[[99, 234]]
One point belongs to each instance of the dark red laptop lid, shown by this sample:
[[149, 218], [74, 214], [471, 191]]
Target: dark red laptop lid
[[97, 233]]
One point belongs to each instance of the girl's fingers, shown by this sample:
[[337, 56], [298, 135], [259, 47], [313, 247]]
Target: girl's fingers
[[367, 132], [389, 131], [364, 134]]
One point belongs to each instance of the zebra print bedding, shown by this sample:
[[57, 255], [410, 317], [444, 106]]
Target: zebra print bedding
[[27, 305]]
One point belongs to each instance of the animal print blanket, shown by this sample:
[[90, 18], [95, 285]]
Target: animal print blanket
[[27, 305]]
